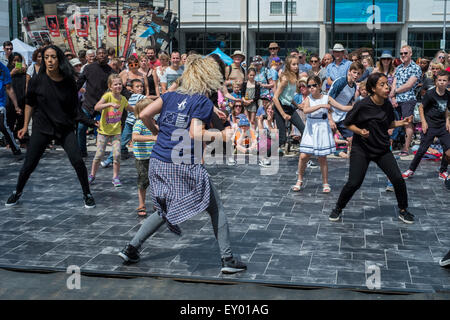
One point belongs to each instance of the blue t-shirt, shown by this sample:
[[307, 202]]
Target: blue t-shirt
[[260, 112], [343, 93], [298, 98], [174, 123], [264, 76], [5, 79], [304, 67]]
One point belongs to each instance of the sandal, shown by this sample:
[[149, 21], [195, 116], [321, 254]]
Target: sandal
[[142, 211], [297, 187], [326, 188], [404, 154]]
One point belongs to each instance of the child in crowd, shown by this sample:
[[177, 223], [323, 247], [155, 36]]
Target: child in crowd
[[318, 137], [236, 93], [245, 138], [111, 106], [251, 91], [143, 142], [341, 146], [137, 88], [362, 91], [435, 120], [267, 132]]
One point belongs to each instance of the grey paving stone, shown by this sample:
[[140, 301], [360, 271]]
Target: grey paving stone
[[284, 237]]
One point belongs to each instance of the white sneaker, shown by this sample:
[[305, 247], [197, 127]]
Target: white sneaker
[[311, 164], [231, 162]]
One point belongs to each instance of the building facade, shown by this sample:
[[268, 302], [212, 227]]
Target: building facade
[[204, 25]]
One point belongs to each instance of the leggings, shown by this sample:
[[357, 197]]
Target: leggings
[[281, 123], [102, 140], [426, 141], [218, 220], [36, 147], [359, 162], [7, 132]]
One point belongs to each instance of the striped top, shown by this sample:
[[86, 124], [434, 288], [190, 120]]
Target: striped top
[[142, 150], [134, 99]]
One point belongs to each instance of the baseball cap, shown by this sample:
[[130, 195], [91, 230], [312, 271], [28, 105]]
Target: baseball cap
[[243, 121], [74, 62]]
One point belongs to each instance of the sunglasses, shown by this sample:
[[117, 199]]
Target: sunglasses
[[314, 61], [9, 49], [273, 49], [312, 86], [404, 53], [133, 65], [441, 57]]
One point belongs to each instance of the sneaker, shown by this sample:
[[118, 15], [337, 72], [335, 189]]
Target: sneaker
[[13, 199], [406, 217], [232, 265], [105, 164], [443, 175], [447, 183], [264, 163], [129, 254], [445, 261], [231, 162], [311, 164], [390, 187], [89, 202], [116, 182], [408, 174], [335, 215], [91, 179]]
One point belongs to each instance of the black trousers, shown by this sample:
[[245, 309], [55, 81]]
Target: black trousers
[[7, 131], [36, 148], [281, 123], [425, 143], [359, 162]]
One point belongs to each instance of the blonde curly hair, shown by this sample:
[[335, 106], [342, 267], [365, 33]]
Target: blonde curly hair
[[200, 76]]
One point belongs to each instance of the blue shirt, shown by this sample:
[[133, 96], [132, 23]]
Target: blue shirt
[[343, 93], [264, 76], [304, 67], [174, 144], [5, 79], [403, 74], [336, 71]]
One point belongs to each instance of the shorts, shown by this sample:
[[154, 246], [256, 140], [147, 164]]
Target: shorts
[[345, 133], [142, 176], [251, 107], [407, 108]]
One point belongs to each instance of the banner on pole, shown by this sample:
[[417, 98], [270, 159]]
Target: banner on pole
[[53, 25]]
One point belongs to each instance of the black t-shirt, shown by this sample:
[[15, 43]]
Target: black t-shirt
[[377, 120], [434, 107], [56, 108], [95, 76]]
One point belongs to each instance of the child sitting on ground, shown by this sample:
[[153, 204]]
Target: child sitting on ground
[[245, 138], [143, 142], [341, 146]]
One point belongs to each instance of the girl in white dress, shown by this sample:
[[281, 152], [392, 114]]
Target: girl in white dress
[[318, 137]]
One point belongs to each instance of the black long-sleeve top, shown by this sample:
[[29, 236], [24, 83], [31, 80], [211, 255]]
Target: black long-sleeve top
[[56, 108], [95, 76]]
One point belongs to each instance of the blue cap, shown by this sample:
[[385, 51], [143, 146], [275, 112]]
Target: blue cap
[[243, 121]]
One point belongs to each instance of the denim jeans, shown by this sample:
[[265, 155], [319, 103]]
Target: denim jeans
[[127, 134], [81, 133]]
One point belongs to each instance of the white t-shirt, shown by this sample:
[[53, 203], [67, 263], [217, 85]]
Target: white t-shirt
[[170, 76]]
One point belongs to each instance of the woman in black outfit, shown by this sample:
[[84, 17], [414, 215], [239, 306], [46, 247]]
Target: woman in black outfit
[[52, 98], [370, 120]]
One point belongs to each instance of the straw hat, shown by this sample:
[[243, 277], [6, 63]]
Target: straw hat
[[238, 53]]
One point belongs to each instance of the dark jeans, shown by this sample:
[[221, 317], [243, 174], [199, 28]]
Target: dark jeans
[[36, 147], [359, 162], [81, 133], [425, 143], [281, 123], [7, 132]]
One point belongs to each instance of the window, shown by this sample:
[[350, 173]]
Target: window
[[227, 42], [308, 39], [276, 7], [292, 7], [426, 43]]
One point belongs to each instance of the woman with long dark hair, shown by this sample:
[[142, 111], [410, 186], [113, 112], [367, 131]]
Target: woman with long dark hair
[[52, 99], [370, 119]]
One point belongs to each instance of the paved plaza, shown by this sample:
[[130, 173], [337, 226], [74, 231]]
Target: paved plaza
[[284, 237]]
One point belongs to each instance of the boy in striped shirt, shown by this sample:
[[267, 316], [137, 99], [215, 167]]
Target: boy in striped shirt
[[143, 142]]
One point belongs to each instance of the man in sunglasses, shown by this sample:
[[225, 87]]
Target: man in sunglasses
[[8, 49], [273, 53], [95, 75], [403, 96]]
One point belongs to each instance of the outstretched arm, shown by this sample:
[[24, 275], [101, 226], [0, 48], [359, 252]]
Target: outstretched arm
[[339, 106]]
